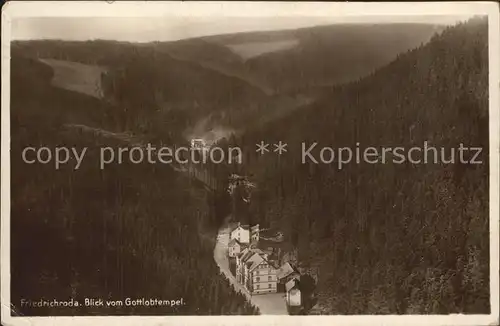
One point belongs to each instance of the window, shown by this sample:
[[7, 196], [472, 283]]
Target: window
[[269, 278], [257, 286], [257, 279], [270, 285]]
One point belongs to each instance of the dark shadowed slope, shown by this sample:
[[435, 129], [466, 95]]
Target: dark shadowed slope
[[208, 86], [396, 237], [324, 55], [213, 56], [131, 230], [147, 84]]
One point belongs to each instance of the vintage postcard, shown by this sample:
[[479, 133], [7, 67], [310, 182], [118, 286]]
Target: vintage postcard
[[250, 163]]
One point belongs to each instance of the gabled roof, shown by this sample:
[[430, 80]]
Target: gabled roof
[[249, 256], [285, 270], [267, 259], [291, 284], [245, 254], [255, 227], [244, 227], [255, 261], [242, 253], [241, 244], [253, 257], [234, 242]]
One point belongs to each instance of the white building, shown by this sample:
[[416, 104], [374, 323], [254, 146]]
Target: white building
[[245, 234], [293, 295], [256, 272], [241, 233], [255, 233], [199, 144], [235, 247]]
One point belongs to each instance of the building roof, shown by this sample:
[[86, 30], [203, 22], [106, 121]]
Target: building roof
[[245, 227], [271, 260], [255, 261], [241, 253], [255, 227], [285, 270], [235, 241], [250, 258], [254, 257], [245, 254], [291, 284]]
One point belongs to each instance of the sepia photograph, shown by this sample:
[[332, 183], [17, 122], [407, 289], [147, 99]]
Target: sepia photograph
[[327, 163]]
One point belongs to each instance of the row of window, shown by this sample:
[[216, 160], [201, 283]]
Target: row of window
[[265, 272], [269, 278], [269, 286]]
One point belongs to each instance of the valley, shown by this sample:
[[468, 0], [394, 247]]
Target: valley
[[373, 239]]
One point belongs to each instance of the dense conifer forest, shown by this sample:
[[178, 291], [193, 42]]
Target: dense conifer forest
[[139, 231], [389, 238]]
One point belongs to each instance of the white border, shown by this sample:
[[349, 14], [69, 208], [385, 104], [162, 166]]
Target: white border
[[253, 9]]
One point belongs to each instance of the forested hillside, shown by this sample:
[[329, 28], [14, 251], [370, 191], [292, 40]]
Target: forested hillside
[[389, 238], [327, 55], [385, 238], [203, 85], [151, 82], [131, 230]]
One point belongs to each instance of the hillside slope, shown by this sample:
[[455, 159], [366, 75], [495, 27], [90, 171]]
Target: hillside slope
[[389, 238], [308, 58], [131, 230], [147, 84]]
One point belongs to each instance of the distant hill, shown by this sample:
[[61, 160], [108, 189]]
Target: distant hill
[[388, 238], [213, 56], [209, 87], [323, 55], [146, 84]]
